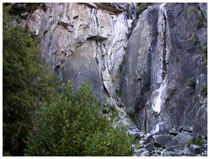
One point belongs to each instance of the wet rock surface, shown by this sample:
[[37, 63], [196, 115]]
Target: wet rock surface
[[165, 73]]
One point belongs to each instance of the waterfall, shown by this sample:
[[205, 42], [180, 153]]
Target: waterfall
[[161, 72]]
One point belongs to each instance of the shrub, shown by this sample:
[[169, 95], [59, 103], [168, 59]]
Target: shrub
[[203, 90], [196, 41], [118, 93], [196, 141], [141, 8], [26, 84], [204, 53], [194, 12], [109, 144], [23, 10], [74, 125], [191, 10], [191, 83]]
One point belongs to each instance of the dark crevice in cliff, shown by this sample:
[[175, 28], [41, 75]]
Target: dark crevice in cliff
[[204, 18], [145, 121], [164, 48]]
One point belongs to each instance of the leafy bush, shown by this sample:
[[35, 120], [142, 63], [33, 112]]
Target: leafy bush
[[191, 10], [204, 54], [194, 12], [196, 141], [196, 41], [191, 83], [26, 84], [118, 92], [111, 143], [203, 90], [141, 8], [23, 10], [74, 125]]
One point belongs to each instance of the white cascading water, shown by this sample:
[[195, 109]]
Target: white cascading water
[[159, 94], [159, 97]]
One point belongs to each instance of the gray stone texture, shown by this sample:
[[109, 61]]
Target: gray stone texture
[[164, 51]]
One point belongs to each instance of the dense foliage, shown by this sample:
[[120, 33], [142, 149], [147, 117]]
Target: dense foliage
[[26, 83], [141, 7], [73, 124], [23, 10], [196, 141], [39, 117]]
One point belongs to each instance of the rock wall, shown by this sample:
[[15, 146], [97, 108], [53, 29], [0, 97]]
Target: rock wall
[[85, 43], [158, 69], [165, 71]]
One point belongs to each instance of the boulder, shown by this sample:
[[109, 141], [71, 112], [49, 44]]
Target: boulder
[[173, 132], [162, 140], [149, 138], [186, 151], [179, 141], [150, 147], [187, 129], [195, 149]]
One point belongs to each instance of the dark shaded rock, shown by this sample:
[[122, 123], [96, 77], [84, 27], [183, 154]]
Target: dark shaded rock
[[173, 132], [150, 147], [112, 7], [137, 136], [169, 149], [179, 141], [195, 149], [97, 38], [149, 138], [162, 127], [180, 128], [201, 121], [162, 140], [130, 111], [187, 129]]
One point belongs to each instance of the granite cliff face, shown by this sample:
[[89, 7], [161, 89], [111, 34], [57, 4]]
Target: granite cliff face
[[164, 55], [155, 66], [85, 42]]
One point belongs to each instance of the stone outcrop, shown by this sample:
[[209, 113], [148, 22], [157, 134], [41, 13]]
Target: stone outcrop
[[85, 43], [165, 71]]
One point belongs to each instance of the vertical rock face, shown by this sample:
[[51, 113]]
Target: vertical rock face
[[164, 77], [159, 68], [85, 43]]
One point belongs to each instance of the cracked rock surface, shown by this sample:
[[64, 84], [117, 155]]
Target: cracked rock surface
[[153, 69]]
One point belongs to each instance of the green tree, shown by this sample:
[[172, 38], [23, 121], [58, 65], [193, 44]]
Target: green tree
[[26, 84], [74, 125], [39, 120]]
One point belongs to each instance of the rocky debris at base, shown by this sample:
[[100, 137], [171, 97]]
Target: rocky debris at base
[[167, 143]]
